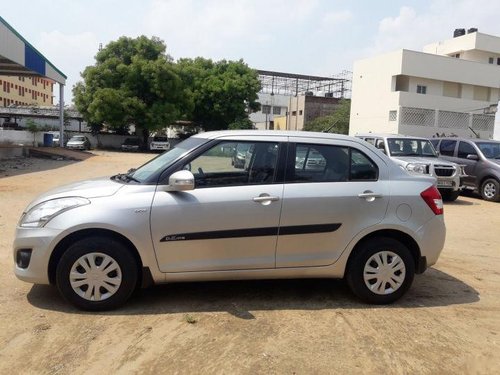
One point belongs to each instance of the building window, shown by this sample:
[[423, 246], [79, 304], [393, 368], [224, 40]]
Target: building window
[[498, 60], [294, 113], [421, 89], [300, 113], [490, 60], [276, 110], [457, 55], [393, 115], [266, 109]]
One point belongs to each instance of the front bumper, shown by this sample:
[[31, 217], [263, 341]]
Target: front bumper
[[41, 242]]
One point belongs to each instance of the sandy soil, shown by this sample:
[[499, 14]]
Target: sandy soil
[[448, 323]]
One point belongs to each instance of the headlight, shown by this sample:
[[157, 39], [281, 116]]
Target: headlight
[[417, 168], [40, 214]]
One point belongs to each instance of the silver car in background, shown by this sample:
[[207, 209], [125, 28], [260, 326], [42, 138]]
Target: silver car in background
[[190, 214], [417, 155]]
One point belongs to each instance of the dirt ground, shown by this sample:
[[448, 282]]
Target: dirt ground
[[449, 322]]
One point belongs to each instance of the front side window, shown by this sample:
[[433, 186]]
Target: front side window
[[325, 163], [465, 149], [233, 163], [447, 147], [490, 150]]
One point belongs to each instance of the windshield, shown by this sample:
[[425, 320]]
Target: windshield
[[162, 161], [490, 150], [131, 141], [160, 139], [78, 139], [411, 147]]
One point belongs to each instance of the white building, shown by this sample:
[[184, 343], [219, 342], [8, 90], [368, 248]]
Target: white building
[[271, 105], [448, 88]]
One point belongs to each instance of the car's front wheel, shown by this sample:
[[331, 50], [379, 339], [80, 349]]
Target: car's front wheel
[[490, 190], [97, 273], [381, 270], [450, 195]]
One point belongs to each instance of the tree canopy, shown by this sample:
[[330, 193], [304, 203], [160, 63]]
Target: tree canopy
[[134, 81], [337, 122], [223, 92]]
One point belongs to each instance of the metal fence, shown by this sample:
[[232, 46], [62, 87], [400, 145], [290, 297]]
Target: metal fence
[[422, 117]]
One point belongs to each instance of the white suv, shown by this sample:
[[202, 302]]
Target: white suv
[[417, 155], [159, 143], [305, 205]]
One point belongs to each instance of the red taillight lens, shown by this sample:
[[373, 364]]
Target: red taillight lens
[[433, 198]]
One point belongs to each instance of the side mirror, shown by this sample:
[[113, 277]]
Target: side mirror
[[381, 147], [472, 157], [181, 181]]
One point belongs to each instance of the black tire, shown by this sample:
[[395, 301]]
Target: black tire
[[359, 259], [490, 190], [449, 195], [99, 247]]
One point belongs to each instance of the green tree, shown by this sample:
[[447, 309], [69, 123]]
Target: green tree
[[32, 127], [337, 122], [133, 81], [243, 123], [223, 92]]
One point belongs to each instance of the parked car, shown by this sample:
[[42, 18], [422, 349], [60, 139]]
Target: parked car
[[56, 140], [417, 155], [240, 156], [131, 144], [482, 163], [188, 215], [78, 142], [159, 143]]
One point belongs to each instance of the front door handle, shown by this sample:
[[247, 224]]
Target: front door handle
[[370, 196], [266, 198]]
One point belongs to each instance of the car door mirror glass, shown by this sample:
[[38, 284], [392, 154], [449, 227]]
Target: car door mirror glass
[[181, 181]]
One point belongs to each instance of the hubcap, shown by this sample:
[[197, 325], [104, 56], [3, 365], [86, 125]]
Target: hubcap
[[489, 190], [95, 276], [384, 272]]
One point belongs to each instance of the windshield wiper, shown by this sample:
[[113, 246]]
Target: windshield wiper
[[125, 177]]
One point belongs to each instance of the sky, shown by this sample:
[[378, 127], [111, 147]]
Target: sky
[[315, 37]]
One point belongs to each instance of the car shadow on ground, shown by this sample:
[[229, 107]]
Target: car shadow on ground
[[26, 165], [238, 298]]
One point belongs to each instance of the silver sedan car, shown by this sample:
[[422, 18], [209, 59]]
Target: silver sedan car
[[191, 215]]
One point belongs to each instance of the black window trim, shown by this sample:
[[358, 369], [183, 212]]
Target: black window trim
[[290, 163], [279, 173]]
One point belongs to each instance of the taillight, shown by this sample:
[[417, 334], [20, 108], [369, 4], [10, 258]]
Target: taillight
[[433, 198]]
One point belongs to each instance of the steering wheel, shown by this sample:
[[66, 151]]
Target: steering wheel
[[200, 171]]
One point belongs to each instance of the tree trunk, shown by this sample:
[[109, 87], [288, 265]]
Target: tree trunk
[[145, 138]]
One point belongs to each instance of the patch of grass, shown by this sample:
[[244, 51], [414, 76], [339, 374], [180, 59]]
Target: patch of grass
[[190, 319]]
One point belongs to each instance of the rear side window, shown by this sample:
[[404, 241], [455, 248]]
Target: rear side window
[[447, 147], [325, 163], [465, 149]]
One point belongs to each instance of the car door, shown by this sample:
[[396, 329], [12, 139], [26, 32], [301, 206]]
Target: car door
[[324, 208], [230, 220], [464, 149]]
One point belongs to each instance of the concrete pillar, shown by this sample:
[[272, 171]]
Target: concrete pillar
[[496, 126], [61, 115]]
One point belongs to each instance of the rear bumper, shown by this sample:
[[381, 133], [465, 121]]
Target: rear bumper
[[431, 238]]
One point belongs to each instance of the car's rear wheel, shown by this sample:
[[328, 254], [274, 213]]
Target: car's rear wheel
[[97, 273], [490, 190], [381, 270]]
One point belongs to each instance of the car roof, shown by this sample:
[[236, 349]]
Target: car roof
[[273, 133], [388, 135], [475, 140]]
